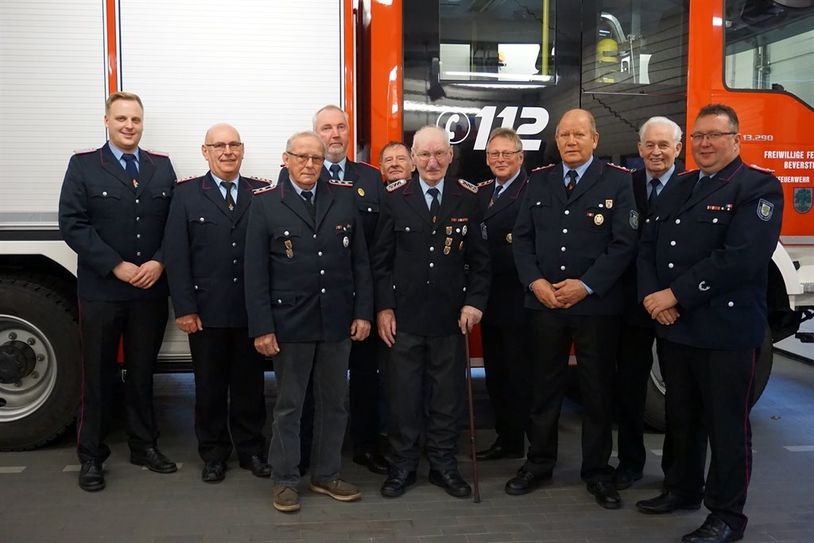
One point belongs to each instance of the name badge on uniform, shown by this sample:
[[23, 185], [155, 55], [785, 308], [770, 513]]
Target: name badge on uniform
[[289, 248]]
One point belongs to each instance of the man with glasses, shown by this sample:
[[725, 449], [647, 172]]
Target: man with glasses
[[703, 270], [204, 241], [505, 327], [308, 294], [395, 162], [112, 212], [431, 268], [575, 235]]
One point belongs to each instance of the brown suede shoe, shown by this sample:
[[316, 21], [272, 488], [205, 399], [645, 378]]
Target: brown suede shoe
[[337, 489], [286, 499]]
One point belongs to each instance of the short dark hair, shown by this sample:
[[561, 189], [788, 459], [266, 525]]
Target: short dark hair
[[720, 109], [389, 145]]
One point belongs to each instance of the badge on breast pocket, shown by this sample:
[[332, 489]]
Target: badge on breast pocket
[[599, 219], [289, 248]]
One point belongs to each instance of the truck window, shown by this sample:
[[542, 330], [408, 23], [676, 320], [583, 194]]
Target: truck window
[[635, 45], [769, 47], [498, 42]]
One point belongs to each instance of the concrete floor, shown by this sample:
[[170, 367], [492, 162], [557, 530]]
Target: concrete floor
[[40, 500]]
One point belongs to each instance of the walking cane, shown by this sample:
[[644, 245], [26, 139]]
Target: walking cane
[[475, 477]]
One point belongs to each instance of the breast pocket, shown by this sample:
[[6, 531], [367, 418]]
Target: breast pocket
[[366, 206], [202, 229], [409, 235], [597, 218], [159, 199], [105, 203], [286, 240], [344, 236]]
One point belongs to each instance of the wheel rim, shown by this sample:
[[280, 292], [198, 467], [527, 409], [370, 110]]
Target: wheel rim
[[25, 396]]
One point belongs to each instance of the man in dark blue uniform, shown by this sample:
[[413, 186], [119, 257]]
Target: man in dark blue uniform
[[703, 271], [431, 268], [659, 145], [505, 327], [575, 236], [204, 243], [395, 162], [308, 294], [112, 212]]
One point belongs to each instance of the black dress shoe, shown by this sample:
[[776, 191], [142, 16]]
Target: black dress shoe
[[91, 476], [605, 494], [213, 472], [714, 530], [524, 482], [452, 482], [397, 482], [497, 451], [154, 460], [258, 467], [624, 478], [373, 461], [667, 502]]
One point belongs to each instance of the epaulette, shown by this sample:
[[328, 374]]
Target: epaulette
[[468, 186], [340, 183], [547, 166], [486, 183], [688, 172], [760, 168], [83, 151], [261, 190], [396, 185], [185, 179], [618, 167], [157, 153], [260, 179]]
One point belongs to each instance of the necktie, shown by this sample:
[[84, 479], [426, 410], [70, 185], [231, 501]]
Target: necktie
[[335, 169], [309, 204], [654, 185], [230, 202], [130, 169], [572, 182], [496, 194], [435, 205], [700, 183]]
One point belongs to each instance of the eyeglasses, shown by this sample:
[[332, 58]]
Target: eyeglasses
[[437, 155], [699, 137], [220, 147], [501, 154], [303, 159]]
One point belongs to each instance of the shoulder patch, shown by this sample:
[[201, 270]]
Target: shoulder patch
[[468, 186], [618, 167], [547, 166], [157, 153], [486, 183], [185, 179], [260, 179], [340, 183], [688, 172], [396, 185], [262, 190], [760, 168], [83, 151]]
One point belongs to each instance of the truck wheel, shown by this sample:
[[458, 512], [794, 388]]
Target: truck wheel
[[654, 407], [40, 371]]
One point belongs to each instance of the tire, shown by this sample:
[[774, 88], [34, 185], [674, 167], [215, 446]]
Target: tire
[[40, 364], [654, 406]]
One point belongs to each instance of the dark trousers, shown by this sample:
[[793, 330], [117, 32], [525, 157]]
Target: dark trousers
[[229, 394], [594, 339], [634, 360], [710, 390], [425, 390], [507, 361], [141, 324], [364, 395], [293, 367]]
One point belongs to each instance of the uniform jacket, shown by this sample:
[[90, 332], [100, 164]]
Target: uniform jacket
[[712, 246], [427, 272], [368, 190], [107, 220], [204, 245], [634, 311], [591, 236], [306, 280], [506, 294]]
